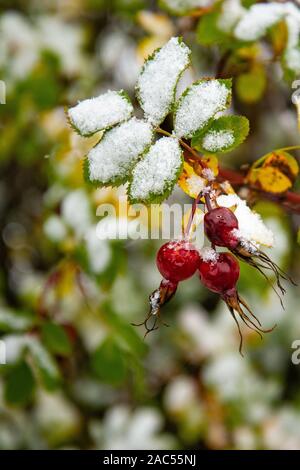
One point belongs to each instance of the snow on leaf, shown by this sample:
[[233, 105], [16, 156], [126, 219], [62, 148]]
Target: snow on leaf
[[191, 183], [199, 104], [223, 135], [158, 79], [180, 7], [251, 226], [95, 114], [44, 363], [258, 19], [155, 175], [112, 159]]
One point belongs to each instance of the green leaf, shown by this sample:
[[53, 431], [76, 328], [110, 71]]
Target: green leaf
[[108, 362], [208, 32], [20, 384], [154, 177], [44, 364], [224, 134], [198, 105], [251, 86], [56, 339]]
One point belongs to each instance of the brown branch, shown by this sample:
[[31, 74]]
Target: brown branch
[[290, 200]]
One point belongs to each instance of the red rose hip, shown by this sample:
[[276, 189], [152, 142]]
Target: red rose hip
[[219, 224], [220, 273], [177, 260]]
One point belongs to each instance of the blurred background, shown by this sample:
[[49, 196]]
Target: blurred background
[[78, 375]]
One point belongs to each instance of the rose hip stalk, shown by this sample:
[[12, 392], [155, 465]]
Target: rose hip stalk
[[219, 272], [176, 261], [221, 227]]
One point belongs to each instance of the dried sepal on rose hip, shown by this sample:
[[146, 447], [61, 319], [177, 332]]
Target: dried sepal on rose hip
[[176, 261], [219, 272]]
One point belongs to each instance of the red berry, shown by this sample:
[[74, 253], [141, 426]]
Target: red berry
[[177, 260], [220, 274], [219, 224]]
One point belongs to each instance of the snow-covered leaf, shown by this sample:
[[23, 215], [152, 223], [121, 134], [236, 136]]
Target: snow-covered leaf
[[257, 20], [95, 114], [12, 321], [111, 160], [199, 104], [223, 135], [158, 79], [181, 7], [44, 363], [155, 175]]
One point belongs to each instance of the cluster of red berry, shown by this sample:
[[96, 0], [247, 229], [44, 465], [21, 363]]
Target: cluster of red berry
[[218, 271]]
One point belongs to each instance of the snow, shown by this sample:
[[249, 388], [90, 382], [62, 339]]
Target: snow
[[257, 20], [156, 172], [251, 226], [195, 185], [181, 6], [98, 251], [118, 150], [95, 114], [215, 141], [208, 174], [55, 228], [157, 81], [231, 12], [76, 211], [209, 255], [198, 105]]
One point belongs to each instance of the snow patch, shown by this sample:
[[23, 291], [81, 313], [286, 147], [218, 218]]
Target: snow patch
[[95, 114], [198, 105], [156, 172], [118, 150], [215, 141], [157, 81], [251, 226]]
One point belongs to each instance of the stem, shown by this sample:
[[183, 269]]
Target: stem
[[183, 144], [192, 214], [208, 202]]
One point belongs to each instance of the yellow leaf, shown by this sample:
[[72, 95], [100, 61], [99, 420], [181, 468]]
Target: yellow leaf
[[250, 86], [190, 182], [212, 162], [274, 173], [157, 24]]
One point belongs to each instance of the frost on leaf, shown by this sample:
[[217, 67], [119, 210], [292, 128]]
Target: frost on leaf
[[154, 177], [251, 226], [95, 114], [223, 135], [158, 79], [112, 159], [199, 104]]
